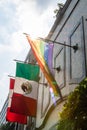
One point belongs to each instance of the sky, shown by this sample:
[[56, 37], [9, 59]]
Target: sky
[[34, 17]]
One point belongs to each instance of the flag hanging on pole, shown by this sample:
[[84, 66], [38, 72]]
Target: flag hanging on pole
[[24, 99], [27, 71], [40, 52], [10, 116]]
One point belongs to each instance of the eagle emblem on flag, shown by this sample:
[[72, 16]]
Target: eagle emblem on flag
[[26, 87]]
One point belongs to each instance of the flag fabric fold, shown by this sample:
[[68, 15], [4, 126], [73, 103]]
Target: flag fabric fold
[[24, 99], [14, 117], [48, 55], [11, 116], [41, 49]]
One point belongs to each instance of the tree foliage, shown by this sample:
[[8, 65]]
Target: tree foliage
[[74, 113], [59, 7]]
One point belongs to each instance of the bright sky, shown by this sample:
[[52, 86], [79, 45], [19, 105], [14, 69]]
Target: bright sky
[[34, 17]]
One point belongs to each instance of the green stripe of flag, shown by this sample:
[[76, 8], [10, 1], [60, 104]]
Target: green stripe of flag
[[27, 71]]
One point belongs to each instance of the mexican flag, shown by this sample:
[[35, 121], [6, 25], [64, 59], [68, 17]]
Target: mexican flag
[[11, 116], [24, 99]]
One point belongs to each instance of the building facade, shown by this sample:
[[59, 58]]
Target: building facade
[[69, 34], [3, 113], [70, 28]]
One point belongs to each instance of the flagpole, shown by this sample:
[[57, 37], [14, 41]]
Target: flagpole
[[11, 76], [75, 47], [20, 61], [38, 82], [24, 62]]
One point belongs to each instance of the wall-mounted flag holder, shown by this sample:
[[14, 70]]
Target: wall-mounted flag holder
[[58, 69], [75, 47]]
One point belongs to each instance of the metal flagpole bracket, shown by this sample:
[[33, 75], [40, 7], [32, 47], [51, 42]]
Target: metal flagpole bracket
[[75, 47], [58, 69]]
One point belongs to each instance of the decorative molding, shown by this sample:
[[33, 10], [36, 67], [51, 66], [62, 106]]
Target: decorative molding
[[59, 101], [45, 98], [62, 63], [77, 61]]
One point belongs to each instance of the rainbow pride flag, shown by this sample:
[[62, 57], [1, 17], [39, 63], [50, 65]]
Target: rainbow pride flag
[[43, 53]]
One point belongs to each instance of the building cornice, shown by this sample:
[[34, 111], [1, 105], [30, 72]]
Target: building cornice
[[58, 18]]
